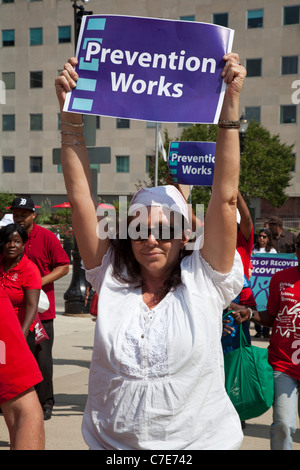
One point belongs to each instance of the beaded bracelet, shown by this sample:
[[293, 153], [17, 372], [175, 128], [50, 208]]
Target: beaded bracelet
[[72, 143], [224, 124], [72, 124], [72, 133]]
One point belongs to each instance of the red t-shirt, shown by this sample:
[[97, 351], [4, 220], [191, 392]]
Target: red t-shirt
[[24, 276], [284, 305], [18, 368], [244, 248], [45, 250]]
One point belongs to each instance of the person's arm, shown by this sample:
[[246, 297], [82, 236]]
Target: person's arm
[[55, 274], [246, 224], [77, 175], [32, 300], [24, 418], [220, 220], [263, 318]]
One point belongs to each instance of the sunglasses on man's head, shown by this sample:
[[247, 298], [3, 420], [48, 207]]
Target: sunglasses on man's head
[[160, 232]]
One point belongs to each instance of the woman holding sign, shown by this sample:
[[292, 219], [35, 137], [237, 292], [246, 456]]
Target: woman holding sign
[[156, 378]]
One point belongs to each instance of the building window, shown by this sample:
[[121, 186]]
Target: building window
[[122, 164], [152, 124], [8, 164], [188, 18], [221, 19], [35, 164], [64, 34], [123, 123], [8, 122], [291, 15], [289, 65], [7, 1], [35, 36], [9, 78], [252, 113], [8, 37], [288, 114], [255, 18], [36, 122], [36, 79], [253, 67]]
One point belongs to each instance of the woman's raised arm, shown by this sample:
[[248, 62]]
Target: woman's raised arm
[[220, 226], [77, 174]]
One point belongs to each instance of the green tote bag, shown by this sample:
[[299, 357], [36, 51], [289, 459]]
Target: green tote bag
[[249, 379]]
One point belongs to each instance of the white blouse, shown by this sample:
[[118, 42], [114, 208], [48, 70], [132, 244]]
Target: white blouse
[[157, 376]]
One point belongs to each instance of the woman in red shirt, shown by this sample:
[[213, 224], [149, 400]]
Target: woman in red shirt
[[19, 277]]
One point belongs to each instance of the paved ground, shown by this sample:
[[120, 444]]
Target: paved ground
[[72, 353]]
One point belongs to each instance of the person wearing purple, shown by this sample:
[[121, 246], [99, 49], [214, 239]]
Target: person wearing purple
[[157, 373]]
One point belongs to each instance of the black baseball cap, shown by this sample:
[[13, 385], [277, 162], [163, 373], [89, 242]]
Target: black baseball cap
[[23, 203]]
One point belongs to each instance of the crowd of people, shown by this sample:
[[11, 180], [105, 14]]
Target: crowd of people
[[156, 377]]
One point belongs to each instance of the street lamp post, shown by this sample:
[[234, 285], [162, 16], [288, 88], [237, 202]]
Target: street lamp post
[[79, 12], [244, 123], [75, 295]]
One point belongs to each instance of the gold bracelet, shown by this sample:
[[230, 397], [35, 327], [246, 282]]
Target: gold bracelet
[[224, 124], [71, 124]]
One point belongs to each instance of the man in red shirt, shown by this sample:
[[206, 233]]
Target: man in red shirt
[[19, 373], [45, 250], [283, 315]]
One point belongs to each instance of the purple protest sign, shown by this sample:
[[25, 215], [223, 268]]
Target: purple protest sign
[[150, 69], [192, 163]]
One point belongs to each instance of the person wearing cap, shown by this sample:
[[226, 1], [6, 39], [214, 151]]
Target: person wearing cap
[[283, 240], [157, 374], [45, 250]]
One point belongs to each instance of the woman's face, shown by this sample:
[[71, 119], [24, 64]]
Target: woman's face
[[262, 239], [155, 252], [13, 248]]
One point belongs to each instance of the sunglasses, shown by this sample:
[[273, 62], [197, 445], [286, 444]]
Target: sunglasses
[[262, 236], [160, 232]]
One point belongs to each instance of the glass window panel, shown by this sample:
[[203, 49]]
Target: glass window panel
[[122, 164], [8, 122], [36, 122], [253, 67], [8, 164], [221, 19], [255, 18], [36, 36], [289, 65], [252, 113], [291, 15], [36, 79], [8, 37], [9, 78], [36, 164], [188, 18], [64, 34], [288, 114], [123, 123]]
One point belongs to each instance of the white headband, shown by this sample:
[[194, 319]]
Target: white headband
[[164, 196]]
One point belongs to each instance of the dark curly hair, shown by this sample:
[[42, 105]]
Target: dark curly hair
[[7, 231]]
